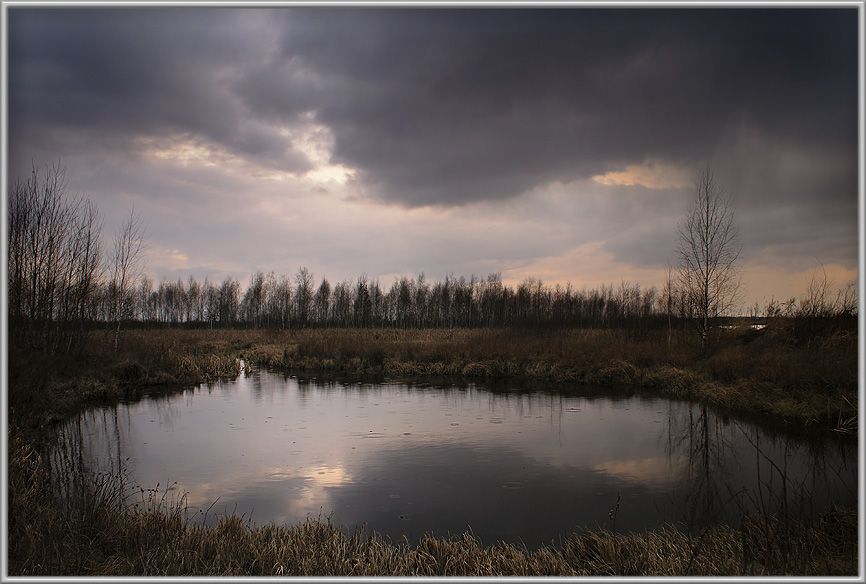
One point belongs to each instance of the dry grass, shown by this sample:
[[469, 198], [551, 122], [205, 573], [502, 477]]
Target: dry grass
[[46, 389]]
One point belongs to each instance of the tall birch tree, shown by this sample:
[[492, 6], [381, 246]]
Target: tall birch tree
[[709, 250]]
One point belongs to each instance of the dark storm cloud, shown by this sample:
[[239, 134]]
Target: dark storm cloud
[[114, 75], [450, 106], [440, 106]]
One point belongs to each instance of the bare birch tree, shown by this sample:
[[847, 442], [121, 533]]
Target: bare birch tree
[[127, 265], [709, 249], [304, 295]]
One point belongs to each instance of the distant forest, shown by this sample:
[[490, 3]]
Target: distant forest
[[410, 302], [61, 282]]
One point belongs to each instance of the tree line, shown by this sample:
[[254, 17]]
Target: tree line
[[63, 281], [271, 301]]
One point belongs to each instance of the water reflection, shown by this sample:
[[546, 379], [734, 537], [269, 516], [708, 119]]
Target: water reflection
[[406, 460]]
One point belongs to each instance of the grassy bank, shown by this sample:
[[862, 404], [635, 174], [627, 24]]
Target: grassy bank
[[815, 386], [747, 372], [44, 390]]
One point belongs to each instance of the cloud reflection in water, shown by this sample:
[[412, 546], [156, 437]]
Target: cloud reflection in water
[[511, 465]]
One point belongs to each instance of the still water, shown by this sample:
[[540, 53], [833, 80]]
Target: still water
[[517, 464]]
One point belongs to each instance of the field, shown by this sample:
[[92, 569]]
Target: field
[[806, 386]]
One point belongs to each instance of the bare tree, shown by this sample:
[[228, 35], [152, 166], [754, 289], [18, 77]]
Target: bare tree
[[53, 259], [84, 268], [127, 265], [211, 302], [363, 306], [229, 299], [322, 302], [304, 295], [253, 302], [668, 300], [195, 307], [283, 301], [708, 251]]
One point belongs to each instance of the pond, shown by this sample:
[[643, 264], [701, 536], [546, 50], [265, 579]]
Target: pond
[[521, 464]]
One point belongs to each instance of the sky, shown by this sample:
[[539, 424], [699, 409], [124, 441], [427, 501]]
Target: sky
[[562, 144]]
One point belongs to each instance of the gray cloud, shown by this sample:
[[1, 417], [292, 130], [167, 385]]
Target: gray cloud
[[456, 107], [114, 75], [446, 107]]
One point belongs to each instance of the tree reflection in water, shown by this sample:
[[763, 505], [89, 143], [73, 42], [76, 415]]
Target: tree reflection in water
[[735, 469]]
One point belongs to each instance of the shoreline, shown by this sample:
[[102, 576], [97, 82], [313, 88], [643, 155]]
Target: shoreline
[[472, 354]]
